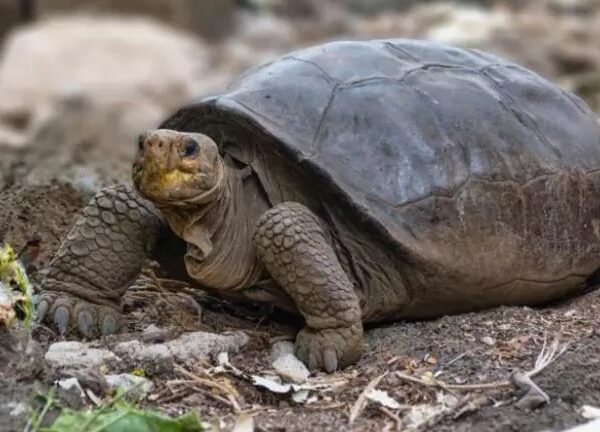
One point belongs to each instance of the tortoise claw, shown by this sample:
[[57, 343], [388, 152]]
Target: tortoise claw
[[67, 312], [330, 361], [42, 310], [329, 349], [85, 323], [109, 325], [61, 319]]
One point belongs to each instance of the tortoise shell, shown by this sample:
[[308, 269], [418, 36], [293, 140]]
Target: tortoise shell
[[451, 153]]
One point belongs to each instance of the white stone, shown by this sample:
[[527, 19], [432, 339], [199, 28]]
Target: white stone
[[76, 355], [202, 345], [156, 358], [592, 426], [281, 348], [291, 369], [138, 386]]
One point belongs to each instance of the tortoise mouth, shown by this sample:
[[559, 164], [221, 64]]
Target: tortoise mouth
[[176, 187]]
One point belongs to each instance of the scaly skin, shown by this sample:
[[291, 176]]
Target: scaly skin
[[293, 248], [102, 254], [184, 176]]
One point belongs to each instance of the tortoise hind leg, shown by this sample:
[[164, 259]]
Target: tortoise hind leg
[[294, 250], [101, 255]]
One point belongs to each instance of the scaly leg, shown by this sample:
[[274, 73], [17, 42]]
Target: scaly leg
[[294, 250], [102, 254]]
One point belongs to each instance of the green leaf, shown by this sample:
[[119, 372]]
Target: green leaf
[[15, 289], [123, 419]]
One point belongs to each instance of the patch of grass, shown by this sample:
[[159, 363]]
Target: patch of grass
[[15, 289], [123, 418], [116, 416]]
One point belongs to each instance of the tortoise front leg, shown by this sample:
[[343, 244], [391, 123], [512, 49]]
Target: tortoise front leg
[[96, 262], [293, 248]]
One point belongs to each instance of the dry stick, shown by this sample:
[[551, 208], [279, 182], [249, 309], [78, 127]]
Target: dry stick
[[212, 384], [174, 396], [544, 359], [432, 421], [360, 402], [194, 386], [315, 407], [393, 416], [230, 402]]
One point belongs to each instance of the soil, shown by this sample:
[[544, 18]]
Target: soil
[[455, 347], [471, 348], [474, 348]]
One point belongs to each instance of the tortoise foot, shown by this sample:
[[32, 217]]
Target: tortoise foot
[[330, 349], [66, 313]]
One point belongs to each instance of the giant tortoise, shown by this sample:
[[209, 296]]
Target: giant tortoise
[[353, 182]]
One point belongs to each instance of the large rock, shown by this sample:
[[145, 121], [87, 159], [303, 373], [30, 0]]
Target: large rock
[[76, 92], [209, 18], [134, 70]]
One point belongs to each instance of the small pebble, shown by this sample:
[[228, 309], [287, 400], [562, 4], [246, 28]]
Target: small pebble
[[488, 340]]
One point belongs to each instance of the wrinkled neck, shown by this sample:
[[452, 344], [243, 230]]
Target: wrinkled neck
[[197, 220], [219, 235]]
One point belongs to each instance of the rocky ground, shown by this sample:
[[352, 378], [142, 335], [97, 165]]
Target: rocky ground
[[76, 91]]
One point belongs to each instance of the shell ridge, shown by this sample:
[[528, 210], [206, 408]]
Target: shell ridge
[[396, 51], [529, 122], [315, 65], [319, 127], [443, 127], [456, 190]]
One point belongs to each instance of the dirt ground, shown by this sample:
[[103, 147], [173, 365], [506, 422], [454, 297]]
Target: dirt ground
[[475, 348], [459, 348], [472, 348], [478, 349]]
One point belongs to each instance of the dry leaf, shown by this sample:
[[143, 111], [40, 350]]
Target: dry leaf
[[431, 359]]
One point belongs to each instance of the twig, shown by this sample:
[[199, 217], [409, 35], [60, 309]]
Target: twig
[[360, 402], [454, 360], [175, 395], [430, 422], [544, 359], [393, 416], [316, 407], [212, 384], [230, 402], [193, 385]]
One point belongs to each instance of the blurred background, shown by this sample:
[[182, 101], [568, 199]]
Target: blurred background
[[80, 79]]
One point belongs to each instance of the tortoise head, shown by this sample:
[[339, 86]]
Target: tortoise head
[[177, 168]]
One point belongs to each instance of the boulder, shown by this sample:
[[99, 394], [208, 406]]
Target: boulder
[[76, 92]]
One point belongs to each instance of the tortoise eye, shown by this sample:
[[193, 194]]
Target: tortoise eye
[[190, 148]]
